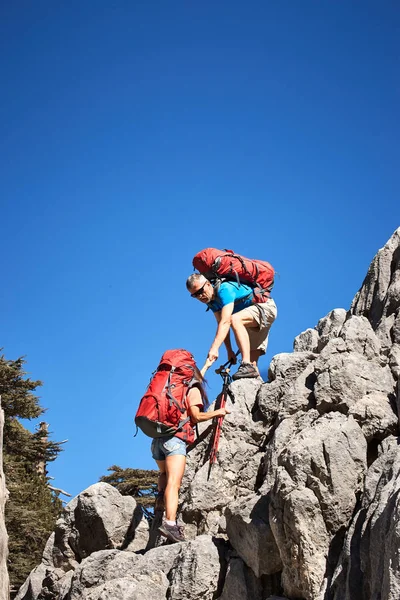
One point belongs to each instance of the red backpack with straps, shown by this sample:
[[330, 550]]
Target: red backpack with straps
[[162, 410], [216, 264]]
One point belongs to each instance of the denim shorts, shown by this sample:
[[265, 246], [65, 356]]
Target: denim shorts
[[167, 446]]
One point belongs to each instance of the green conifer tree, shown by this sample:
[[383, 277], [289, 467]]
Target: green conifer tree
[[139, 483], [32, 509]]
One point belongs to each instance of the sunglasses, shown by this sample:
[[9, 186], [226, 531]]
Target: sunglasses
[[199, 292]]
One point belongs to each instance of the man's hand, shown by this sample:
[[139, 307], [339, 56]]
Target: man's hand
[[212, 354], [232, 357]]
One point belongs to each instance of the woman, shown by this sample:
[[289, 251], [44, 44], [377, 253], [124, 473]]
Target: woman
[[170, 455]]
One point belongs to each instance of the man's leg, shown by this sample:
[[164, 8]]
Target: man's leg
[[266, 314], [254, 356], [240, 322]]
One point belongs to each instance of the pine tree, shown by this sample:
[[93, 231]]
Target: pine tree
[[139, 483], [32, 509]]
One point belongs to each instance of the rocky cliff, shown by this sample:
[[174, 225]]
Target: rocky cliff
[[3, 534], [304, 500]]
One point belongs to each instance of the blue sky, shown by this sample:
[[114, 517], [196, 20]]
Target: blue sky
[[133, 134]]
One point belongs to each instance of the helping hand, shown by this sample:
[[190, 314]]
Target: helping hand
[[212, 354], [207, 365]]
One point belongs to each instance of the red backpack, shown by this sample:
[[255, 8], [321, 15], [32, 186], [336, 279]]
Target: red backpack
[[164, 403], [214, 264]]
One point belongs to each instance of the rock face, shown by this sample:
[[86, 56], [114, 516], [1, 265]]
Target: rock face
[[4, 588], [303, 502]]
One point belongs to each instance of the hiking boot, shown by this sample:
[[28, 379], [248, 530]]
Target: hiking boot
[[174, 533], [246, 370], [159, 503]]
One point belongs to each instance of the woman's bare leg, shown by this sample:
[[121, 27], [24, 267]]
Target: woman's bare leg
[[174, 469]]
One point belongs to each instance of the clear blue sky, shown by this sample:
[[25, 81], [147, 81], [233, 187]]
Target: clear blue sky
[[135, 133]]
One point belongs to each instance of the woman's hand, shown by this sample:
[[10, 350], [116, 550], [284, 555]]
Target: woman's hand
[[222, 412], [207, 365]]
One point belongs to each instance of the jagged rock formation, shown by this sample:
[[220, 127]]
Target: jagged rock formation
[[304, 500], [4, 586]]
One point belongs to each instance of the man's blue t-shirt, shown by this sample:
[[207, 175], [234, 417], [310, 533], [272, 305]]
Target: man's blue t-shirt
[[231, 291]]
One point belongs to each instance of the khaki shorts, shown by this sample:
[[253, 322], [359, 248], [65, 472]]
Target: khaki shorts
[[264, 314]]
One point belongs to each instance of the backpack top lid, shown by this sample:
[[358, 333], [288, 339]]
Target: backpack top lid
[[179, 359], [204, 260]]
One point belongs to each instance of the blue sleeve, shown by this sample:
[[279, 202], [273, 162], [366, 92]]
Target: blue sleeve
[[226, 294]]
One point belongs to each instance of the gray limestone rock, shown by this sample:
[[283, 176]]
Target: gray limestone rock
[[330, 326], [360, 338], [242, 424], [120, 575], [301, 536], [291, 387], [317, 482], [394, 360], [269, 400], [250, 534], [141, 536], [398, 398], [32, 587], [286, 366], [379, 294], [98, 518], [299, 395], [306, 341], [116, 575], [282, 437], [241, 583], [343, 378], [370, 563], [375, 415], [329, 458], [195, 574], [395, 331]]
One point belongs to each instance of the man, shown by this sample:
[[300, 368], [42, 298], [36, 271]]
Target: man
[[232, 305]]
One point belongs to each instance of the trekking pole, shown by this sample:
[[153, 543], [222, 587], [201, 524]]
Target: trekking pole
[[224, 371]]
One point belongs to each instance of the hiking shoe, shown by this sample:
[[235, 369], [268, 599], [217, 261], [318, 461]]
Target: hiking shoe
[[174, 533], [245, 370], [159, 503]]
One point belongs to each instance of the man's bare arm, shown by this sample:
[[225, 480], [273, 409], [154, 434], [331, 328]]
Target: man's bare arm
[[224, 324], [227, 340]]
